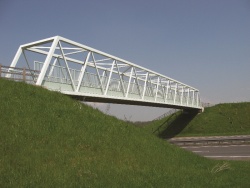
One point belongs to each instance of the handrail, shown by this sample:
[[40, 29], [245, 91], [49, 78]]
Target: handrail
[[16, 68], [18, 74]]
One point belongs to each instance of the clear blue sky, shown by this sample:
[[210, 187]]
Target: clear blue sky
[[203, 43]]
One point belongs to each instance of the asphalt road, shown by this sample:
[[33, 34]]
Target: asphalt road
[[228, 152]]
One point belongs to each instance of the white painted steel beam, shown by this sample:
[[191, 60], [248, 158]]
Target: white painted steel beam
[[145, 86], [17, 56], [67, 67], [47, 60], [82, 72], [121, 80], [129, 82], [110, 74], [98, 74]]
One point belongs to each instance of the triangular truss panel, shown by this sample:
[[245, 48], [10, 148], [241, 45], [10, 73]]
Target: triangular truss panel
[[78, 70]]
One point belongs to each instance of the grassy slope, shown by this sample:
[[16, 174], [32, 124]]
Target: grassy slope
[[222, 119], [50, 140]]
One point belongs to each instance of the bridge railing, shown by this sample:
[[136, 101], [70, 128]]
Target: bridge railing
[[19, 74], [58, 74]]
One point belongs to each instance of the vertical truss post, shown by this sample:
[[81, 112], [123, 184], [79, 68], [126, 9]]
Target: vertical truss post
[[167, 90], [121, 80], [188, 96], [182, 95], [197, 100], [130, 77], [193, 99], [200, 104], [145, 86], [118, 86], [137, 83], [52, 68], [104, 78], [133, 86], [110, 74], [171, 92], [157, 87], [67, 67], [163, 91], [97, 71], [61, 70], [103, 75], [151, 87], [82, 72], [175, 92], [47, 61]]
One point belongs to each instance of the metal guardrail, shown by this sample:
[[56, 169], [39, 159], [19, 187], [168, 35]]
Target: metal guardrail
[[223, 140]]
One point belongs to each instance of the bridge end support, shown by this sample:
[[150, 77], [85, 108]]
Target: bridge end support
[[193, 111]]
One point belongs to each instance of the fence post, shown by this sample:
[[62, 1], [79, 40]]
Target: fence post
[[24, 74]]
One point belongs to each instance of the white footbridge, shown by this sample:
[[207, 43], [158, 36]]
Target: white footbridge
[[88, 74]]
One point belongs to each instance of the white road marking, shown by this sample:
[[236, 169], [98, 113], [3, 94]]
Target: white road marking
[[228, 156], [211, 137], [200, 151], [213, 146]]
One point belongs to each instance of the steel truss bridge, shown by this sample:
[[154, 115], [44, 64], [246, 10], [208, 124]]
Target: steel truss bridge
[[88, 74]]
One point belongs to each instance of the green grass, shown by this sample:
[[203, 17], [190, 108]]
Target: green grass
[[221, 119], [50, 140]]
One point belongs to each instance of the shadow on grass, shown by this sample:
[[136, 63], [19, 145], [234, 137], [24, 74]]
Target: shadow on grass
[[176, 126]]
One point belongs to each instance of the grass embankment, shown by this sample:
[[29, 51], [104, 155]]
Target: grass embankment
[[50, 140], [221, 119]]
